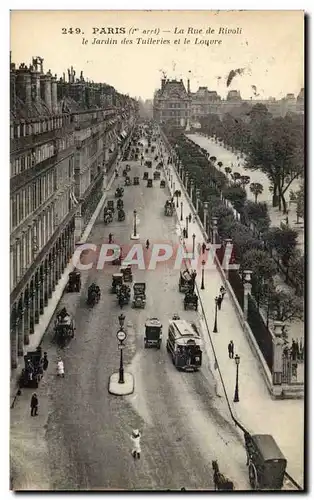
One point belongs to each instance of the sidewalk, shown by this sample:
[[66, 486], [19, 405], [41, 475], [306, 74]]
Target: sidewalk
[[44, 320], [256, 410], [295, 329]]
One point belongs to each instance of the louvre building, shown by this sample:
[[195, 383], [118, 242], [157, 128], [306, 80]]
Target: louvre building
[[65, 137]]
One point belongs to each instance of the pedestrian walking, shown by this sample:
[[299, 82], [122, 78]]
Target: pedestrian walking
[[222, 291], [190, 218], [219, 302], [136, 443], [34, 405], [45, 362], [231, 349], [147, 244], [203, 247], [110, 238]]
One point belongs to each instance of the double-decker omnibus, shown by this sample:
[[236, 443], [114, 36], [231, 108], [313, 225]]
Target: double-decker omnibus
[[184, 345]]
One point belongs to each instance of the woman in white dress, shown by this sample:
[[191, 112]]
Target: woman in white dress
[[136, 443]]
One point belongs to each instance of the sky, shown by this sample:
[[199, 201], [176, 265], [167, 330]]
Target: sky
[[267, 46]]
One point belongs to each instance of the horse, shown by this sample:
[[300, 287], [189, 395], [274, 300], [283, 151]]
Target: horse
[[221, 482]]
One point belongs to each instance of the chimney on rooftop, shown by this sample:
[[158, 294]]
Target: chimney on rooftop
[[54, 94], [45, 84], [23, 84], [189, 86], [163, 83]]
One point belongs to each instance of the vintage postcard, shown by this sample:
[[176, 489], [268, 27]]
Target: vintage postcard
[[157, 251]]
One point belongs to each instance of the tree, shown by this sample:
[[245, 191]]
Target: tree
[[276, 149], [256, 188], [236, 194], [284, 241], [244, 180], [177, 194], [228, 170], [262, 266], [284, 305], [300, 203], [258, 214]]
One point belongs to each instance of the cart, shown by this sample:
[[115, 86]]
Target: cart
[[186, 281], [120, 204], [265, 461], [153, 333], [190, 301], [117, 282], [162, 184], [74, 282], [33, 369], [64, 329], [127, 181], [119, 192], [121, 215], [110, 205], [139, 296], [148, 163], [145, 176], [149, 183], [136, 181], [127, 273], [156, 175]]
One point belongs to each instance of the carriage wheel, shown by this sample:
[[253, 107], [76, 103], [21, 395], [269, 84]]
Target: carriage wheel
[[253, 477]]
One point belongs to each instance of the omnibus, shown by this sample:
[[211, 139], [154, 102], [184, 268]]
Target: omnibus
[[184, 345]]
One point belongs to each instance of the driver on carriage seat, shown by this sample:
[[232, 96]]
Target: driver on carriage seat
[[63, 313]]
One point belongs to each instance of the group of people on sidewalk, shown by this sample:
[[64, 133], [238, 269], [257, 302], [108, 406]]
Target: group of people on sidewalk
[[60, 373]]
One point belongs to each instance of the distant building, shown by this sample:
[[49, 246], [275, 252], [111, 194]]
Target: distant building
[[176, 104], [172, 103], [64, 139]]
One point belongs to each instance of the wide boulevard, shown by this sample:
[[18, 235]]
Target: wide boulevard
[[184, 424]]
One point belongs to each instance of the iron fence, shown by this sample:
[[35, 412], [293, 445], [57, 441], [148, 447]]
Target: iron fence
[[260, 331]]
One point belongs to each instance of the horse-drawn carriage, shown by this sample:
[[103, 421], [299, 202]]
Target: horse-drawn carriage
[[156, 175], [153, 333], [187, 281], [117, 282], [127, 273], [139, 297], [265, 461], [149, 183], [110, 206], [136, 181], [121, 215], [163, 183], [64, 327], [93, 294], [127, 181], [74, 282], [108, 217], [169, 208], [190, 300], [33, 369], [120, 204], [148, 163], [123, 294], [145, 176], [119, 192]]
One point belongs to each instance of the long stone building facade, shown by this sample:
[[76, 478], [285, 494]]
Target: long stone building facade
[[175, 103], [65, 137]]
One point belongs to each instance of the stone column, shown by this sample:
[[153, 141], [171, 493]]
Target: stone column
[[37, 297], [26, 316], [198, 192], [49, 276], [215, 230], [278, 345], [227, 256], [186, 180], [14, 336], [20, 328], [32, 308], [205, 215], [247, 291], [41, 290], [53, 270], [46, 283], [191, 190]]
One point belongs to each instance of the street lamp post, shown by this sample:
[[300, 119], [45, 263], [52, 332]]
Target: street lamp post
[[236, 392], [203, 267], [181, 218], [121, 336], [215, 330], [193, 236], [187, 226]]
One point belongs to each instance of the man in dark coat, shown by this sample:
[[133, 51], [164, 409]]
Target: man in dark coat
[[231, 349], [45, 361], [34, 405], [203, 247]]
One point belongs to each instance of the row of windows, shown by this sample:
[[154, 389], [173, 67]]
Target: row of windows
[[174, 113], [25, 249], [178, 105], [31, 158], [26, 129], [30, 198]]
